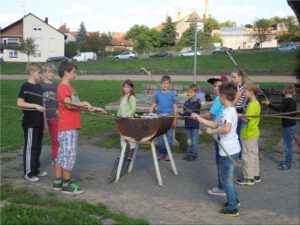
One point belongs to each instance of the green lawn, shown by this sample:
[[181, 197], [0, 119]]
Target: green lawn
[[98, 93], [271, 63], [24, 207]]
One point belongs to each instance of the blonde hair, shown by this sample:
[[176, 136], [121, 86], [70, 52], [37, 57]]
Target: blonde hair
[[32, 67], [50, 67], [251, 86], [289, 89], [241, 74]]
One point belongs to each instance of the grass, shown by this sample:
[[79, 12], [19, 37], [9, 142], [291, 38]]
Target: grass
[[24, 207], [98, 93], [254, 63]]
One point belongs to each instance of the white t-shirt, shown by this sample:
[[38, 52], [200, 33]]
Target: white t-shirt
[[230, 140]]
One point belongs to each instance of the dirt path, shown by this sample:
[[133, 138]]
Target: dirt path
[[182, 199], [259, 78]]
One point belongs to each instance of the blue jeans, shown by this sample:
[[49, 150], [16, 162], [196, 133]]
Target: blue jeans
[[288, 134], [192, 138], [226, 168], [162, 148], [217, 162]]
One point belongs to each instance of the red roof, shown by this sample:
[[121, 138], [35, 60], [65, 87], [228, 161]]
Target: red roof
[[159, 27], [63, 28], [194, 16], [118, 35], [120, 42], [74, 33]]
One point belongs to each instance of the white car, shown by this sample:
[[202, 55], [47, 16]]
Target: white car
[[127, 55], [189, 53]]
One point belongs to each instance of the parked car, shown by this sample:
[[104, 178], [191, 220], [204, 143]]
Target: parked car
[[286, 48], [58, 59], [189, 53], [85, 56], [223, 51], [161, 54], [127, 55]]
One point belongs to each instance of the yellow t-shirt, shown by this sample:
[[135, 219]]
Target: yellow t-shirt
[[250, 129]]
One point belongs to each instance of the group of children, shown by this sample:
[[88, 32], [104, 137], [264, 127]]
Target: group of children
[[227, 121]]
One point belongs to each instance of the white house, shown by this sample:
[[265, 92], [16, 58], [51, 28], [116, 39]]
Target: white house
[[49, 41]]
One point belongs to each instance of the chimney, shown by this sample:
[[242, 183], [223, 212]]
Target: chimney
[[46, 20], [206, 9]]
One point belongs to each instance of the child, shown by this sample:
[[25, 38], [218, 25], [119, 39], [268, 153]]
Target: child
[[127, 107], [192, 126], [229, 139], [49, 90], [239, 78], [250, 135], [33, 123], [214, 114], [288, 125], [69, 124], [165, 101]]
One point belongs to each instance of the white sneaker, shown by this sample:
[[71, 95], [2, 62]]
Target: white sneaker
[[216, 191], [42, 174], [32, 179]]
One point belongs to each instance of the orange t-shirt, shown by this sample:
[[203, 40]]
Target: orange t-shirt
[[69, 119]]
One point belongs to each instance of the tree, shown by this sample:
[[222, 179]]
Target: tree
[[261, 27], [93, 42], [168, 33], [105, 40], [28, 47], [227, 23], [211, 24], [81, 35], [71, 49], [188, 37]]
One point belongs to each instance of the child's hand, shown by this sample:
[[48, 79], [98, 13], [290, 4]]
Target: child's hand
[[209, 131], [88, 106], [39, 108], [195, 116], [175, 122], [265, 102], [100, 110], [151, 110]]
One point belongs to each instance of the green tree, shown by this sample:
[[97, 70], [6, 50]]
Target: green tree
[[227, 23], [71, 49], [105, 40], [28, 47], [93, 42], [168, 33], [188, 37], [81, 34], [211, 24], [261, 27]]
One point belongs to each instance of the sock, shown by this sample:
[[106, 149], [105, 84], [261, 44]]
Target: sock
[[65, 182]]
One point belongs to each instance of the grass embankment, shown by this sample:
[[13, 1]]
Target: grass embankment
[[254, 63], [98, 93], [24, 207]]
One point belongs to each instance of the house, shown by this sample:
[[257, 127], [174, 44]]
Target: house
[[66, 31], [120, 45], [49, 41]]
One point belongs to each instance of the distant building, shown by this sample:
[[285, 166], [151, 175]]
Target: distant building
[[63, 29], [49, 41], [120, 45]]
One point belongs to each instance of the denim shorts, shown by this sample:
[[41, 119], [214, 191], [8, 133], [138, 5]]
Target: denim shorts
[[67, 149]]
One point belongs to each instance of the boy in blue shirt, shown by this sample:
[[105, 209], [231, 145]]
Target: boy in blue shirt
[[214, 114], [164, 102]]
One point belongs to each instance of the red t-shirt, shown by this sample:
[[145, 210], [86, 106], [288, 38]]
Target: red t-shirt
[[69, 119]]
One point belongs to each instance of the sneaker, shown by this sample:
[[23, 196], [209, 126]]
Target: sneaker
[[71, 188], [283, 167], [57, 184], [226, 204], [228, 212], [257, 179], [216, 191], [167, 158], [42, 174], [186, 157], [245, 181], [161, 158], [192, 158], [32, 179]]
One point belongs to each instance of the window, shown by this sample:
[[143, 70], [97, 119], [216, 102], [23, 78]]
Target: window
[[37, 54], [12, 40], [13, 54], [37, 28]]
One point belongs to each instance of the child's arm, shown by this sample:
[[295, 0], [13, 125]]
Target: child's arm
[[207, 116], [208, 123], [245, 119], [237, 97], [73, 105], [21, 103], [175, 108], [153, 106], [222, 130]]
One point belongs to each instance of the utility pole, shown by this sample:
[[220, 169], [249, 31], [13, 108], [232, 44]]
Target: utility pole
[[195, 51]]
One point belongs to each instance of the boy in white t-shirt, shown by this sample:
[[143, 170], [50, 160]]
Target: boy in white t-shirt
[[226, 129]]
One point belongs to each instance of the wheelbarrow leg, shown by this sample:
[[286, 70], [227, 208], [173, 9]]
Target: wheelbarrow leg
[[121, 162], [160, 183], [170, 154], [133, 158]]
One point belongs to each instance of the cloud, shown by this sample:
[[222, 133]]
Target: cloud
[[137, 10], [9, 18], [77, 9]]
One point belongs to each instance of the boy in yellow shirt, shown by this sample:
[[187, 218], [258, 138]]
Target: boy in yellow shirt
[[250, 135]]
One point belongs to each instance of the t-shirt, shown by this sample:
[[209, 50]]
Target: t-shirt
[[230, 140], [216, 110], [250, 129], [69, 119], [49, 90], [165, 102], [127, 106], [241, 102], [32, 118]]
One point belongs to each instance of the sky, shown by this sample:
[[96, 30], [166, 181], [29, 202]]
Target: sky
[[119, 16]]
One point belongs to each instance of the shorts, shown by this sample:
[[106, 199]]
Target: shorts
[[67, 148]]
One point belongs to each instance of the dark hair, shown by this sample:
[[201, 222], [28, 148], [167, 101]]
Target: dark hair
[[289, 89], [193, 87], [228, 90], [165, 78], [130, 84], [65, 66], [241, 74], [251, 86]]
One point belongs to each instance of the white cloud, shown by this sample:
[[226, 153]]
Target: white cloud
[[77, 9], [137, 10], [9, 18]]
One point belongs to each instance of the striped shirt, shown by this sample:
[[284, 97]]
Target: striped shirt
[[240, 103]]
